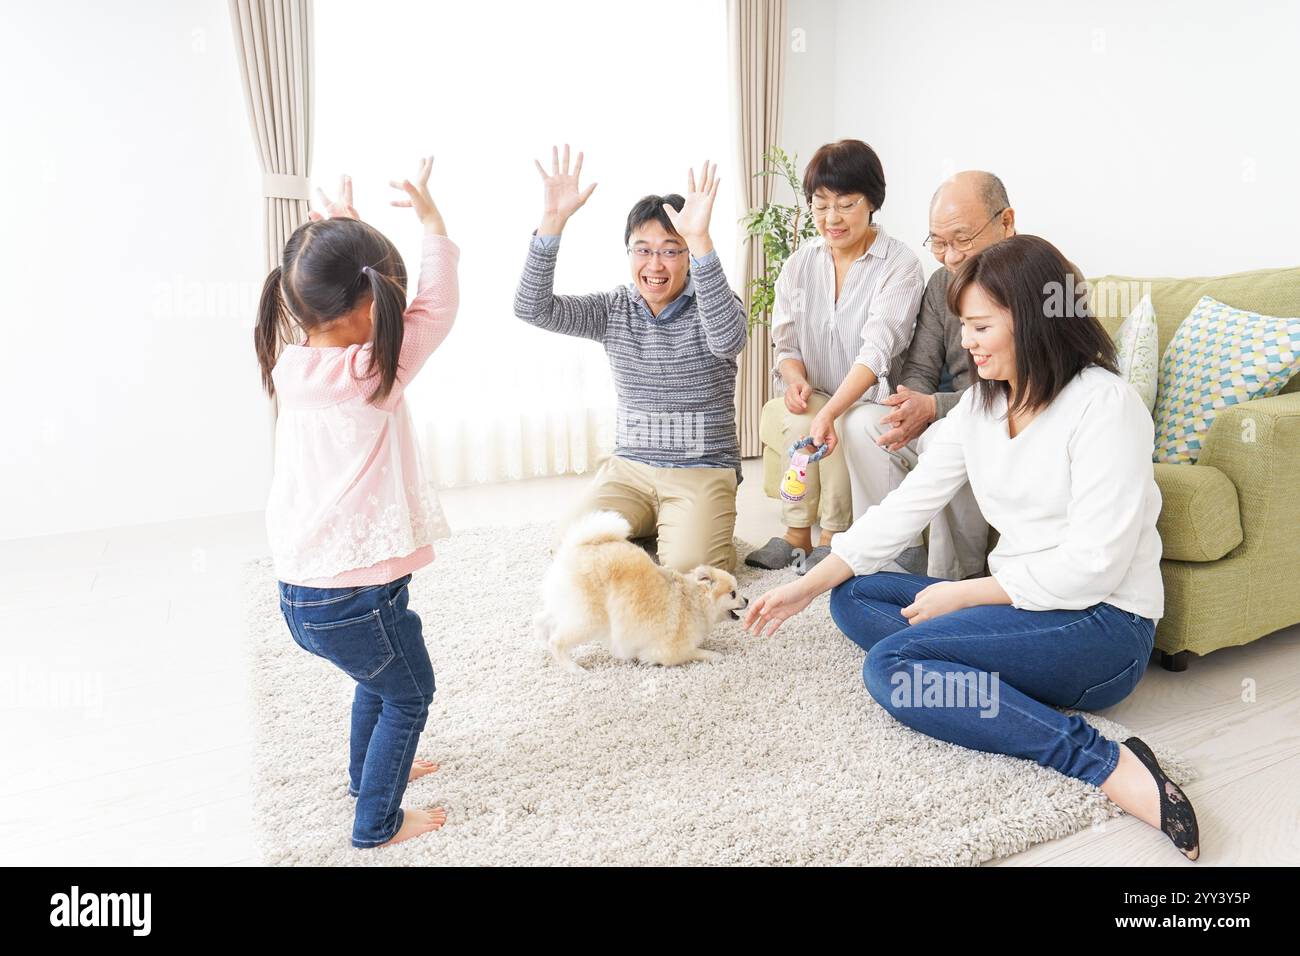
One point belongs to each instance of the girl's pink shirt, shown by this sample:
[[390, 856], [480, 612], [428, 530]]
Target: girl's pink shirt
[[349, 503]]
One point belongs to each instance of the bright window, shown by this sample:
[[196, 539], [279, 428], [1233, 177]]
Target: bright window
[[486, 88]]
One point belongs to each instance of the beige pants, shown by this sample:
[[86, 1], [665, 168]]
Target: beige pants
[[691, 510], [828, 501], [958, 534]]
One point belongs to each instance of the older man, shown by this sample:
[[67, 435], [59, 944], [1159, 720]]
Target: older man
[[968, 213]]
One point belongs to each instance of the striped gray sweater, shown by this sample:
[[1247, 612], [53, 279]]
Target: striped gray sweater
[[675, 378]]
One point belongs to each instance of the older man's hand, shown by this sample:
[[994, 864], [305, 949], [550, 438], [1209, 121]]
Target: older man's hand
[[912, 414]]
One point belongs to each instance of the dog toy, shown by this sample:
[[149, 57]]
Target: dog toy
[[795, 483]]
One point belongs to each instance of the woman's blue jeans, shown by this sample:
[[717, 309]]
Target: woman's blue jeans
[[371, 634], [990, 677]]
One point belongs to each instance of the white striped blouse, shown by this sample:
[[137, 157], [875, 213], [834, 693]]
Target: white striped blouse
[[870, 325]]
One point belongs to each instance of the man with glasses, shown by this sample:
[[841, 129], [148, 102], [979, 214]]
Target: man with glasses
[[672, 336], [968, 213]]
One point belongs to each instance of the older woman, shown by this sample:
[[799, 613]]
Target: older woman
[[845, 308], [672, 336], [1057, 450]]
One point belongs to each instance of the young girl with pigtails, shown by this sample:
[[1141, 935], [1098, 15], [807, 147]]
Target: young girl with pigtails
[[350, 516]]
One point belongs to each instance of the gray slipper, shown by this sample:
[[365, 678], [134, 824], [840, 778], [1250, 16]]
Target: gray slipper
[[777, 553], [814, 557], [911, 561]]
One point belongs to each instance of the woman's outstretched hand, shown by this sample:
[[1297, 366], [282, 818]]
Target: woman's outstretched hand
[[342, 209], [766, 615], [692, 223], [418, 198], [562, 196]]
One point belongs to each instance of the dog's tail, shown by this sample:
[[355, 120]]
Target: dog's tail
[[599, 527]]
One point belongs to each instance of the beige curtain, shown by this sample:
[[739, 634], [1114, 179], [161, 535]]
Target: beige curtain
[[273, 46], [757, 34]]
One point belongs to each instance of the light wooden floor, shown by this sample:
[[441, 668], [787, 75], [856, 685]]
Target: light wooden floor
[[126, 732]]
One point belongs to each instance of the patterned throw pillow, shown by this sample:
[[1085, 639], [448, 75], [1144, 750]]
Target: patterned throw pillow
[[1219, 356], [1138, 343]]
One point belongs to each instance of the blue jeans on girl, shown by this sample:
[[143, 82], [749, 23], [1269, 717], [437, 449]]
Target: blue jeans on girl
[[990, 677], [371, 634]]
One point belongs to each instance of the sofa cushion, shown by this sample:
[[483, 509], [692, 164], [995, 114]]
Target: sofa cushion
[[1219, 356], [1266, 291], [1199, 517], [1137, 348]]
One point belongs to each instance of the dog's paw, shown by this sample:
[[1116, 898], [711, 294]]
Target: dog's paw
[[707, 657]]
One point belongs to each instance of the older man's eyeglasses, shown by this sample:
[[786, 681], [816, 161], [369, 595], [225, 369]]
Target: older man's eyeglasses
[[940, 247], [644, 254], [819, 210]]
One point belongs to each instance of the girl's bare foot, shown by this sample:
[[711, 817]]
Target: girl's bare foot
[[421, 767], [418, 822]]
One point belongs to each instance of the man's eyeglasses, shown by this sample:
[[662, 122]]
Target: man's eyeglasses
[[644, 254], [940, 246], [819, 210]]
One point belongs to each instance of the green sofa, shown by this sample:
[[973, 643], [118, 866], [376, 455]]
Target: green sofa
[[1230, 524]]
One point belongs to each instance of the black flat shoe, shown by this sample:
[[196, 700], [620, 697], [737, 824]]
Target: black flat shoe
[[1177, 818]]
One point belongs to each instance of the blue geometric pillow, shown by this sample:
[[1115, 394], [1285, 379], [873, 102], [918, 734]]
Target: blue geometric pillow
[[1219, 356]]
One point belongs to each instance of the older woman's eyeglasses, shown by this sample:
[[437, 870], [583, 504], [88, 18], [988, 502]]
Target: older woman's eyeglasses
[[940, 246], [843, 208]]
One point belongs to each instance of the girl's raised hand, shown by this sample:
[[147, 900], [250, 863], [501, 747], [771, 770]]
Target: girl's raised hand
[[562, 197], [336, 210], [692, 223], [418, 198]]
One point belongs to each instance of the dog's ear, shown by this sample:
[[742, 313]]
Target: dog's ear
[[702, 574]]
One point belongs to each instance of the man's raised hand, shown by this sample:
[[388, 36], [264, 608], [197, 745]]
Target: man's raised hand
[[562, 196]]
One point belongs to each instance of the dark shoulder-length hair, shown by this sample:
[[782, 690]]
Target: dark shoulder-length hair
[[1055, 333]]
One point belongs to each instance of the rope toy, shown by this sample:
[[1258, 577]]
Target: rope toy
[[795, 483]]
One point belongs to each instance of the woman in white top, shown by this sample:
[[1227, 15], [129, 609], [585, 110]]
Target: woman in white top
[[1057, 450]]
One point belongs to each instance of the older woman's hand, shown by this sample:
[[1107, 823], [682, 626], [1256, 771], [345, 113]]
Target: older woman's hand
[[822, 431], [796, 396], [776, 607]]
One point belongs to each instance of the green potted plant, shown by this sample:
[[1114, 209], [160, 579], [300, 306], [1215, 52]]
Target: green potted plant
[[780, 228]]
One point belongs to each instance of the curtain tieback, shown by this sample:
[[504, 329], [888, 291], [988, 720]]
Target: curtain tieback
[[280, 186]]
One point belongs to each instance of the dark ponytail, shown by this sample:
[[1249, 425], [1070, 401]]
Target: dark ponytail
[[274, 328], [386, 331], [329, 268]]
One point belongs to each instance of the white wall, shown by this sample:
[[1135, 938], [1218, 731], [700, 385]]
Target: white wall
[[131, 263], [808, 114], [1148, 138]]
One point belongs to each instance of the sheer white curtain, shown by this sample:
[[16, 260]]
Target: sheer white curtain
[[486, 88]]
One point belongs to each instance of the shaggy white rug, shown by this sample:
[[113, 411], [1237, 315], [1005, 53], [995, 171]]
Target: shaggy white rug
[[774, 755]]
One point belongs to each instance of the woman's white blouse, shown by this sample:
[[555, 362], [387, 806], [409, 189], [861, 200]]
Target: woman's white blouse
[[1073, 497]]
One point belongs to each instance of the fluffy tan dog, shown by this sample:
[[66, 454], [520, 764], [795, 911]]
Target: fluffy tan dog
[[601, 587]]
